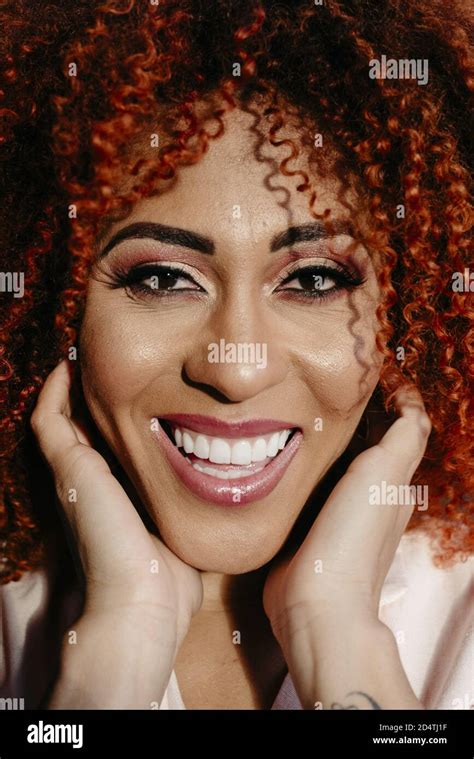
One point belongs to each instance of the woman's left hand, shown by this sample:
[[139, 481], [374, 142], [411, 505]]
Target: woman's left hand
[[323, 602]]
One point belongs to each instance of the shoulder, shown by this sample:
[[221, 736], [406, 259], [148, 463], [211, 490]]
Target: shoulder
[[430, 611], [450, 583], [34, 612]]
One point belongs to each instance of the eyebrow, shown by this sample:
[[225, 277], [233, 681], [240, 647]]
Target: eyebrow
[[315, 230], [185, 238], [161, 233]]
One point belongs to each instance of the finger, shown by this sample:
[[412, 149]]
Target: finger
[[407, 437], [84, 481], [53, 411], [49, 420], [368, 487], [54, 395]]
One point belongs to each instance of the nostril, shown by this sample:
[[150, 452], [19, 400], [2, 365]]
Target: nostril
[[209, 390]]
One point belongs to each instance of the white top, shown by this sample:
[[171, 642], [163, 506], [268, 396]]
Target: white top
[[429, 610]]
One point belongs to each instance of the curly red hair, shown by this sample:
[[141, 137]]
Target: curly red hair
[[79, 82]]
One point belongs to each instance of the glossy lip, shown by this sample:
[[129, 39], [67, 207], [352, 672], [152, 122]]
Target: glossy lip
[[236, 492], [209, 425]]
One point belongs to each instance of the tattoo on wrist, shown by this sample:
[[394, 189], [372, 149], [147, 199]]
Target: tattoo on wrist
[[373, 704]]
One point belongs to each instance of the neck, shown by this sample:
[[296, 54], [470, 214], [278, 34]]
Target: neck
[[231, 645], [231, 593]]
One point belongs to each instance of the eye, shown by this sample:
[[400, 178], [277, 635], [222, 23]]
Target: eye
[[319, 281], [156, 280]]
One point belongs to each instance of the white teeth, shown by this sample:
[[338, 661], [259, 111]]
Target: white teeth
[[188, 442], [283, 438], [229, 475], [240, 452], [219, 451], [201, 447], [272, 446], [259, 449]]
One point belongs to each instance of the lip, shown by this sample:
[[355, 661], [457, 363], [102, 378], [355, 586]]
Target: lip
[[209, 425], [235, 492]]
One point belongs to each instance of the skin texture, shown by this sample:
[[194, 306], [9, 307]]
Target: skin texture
[[142, 356]]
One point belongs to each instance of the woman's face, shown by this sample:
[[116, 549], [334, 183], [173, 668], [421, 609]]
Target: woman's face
[[234, 338]]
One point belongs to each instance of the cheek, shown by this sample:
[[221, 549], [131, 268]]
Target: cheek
[[343, 381], [120, 356], [340, 368]]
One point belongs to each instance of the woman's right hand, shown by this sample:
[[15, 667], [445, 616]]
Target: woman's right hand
[[140, 597]]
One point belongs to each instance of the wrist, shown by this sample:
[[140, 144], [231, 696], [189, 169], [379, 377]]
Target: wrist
[[112, 661], [320, 620], [342, 662]]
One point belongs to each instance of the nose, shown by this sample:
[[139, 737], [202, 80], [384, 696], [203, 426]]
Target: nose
[[238, 354]]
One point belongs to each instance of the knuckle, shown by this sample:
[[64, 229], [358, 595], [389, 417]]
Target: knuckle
[[425, 425], [37, 422], [423, 431]]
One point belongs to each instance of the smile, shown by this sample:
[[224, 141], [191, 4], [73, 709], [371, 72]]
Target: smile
[[228, 463]]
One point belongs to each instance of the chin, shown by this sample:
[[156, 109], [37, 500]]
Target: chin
[[219, 551]]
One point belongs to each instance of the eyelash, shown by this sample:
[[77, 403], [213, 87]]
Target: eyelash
[[133, 280], [344, 279]]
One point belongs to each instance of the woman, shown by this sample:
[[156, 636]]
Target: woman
[[242, 268]]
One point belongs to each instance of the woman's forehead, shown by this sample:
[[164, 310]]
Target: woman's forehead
[[240, 169]]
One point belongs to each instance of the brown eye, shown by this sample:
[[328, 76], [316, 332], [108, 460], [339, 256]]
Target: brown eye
[[166, 279], [319, 281], [310, 282], [155, 279]]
